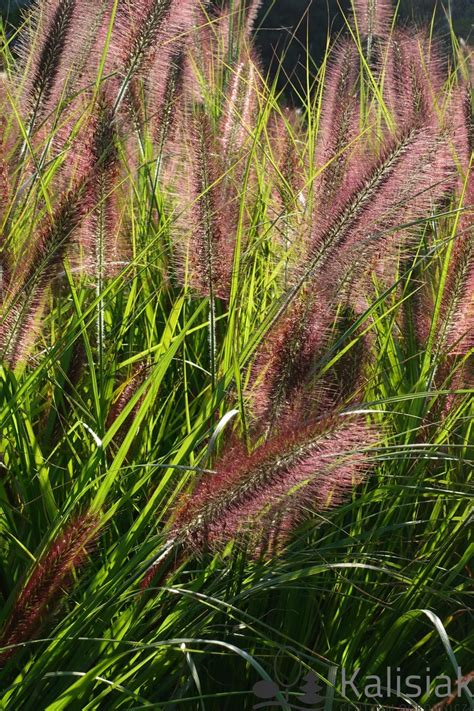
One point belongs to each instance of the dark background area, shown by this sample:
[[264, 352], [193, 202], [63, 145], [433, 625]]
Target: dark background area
[[284, 26]]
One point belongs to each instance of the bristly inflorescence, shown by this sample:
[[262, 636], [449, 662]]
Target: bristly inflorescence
[[47, 582], [27, 283], [55, 20], [372, 19], [261, 496]]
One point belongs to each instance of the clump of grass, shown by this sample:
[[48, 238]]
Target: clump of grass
[[219, 316]]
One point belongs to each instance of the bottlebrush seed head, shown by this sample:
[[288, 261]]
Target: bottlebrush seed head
[[167, 102], [47, 582], [339, 121], [146, 36], [248, 9], [136, 379], [373, 17], [43, 48], [378, 195], [413, 79], [311, 467], [239, 108], [31, 277], [287, 354], [136, 31], [99, 236], [4, 188], [458, 302], [204, 251]]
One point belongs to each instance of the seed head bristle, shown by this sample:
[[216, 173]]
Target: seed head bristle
[[304, 468]]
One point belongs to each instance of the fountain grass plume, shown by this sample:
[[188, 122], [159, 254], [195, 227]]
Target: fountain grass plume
[[130, 387], [246, 13], [413, 78], [258, 499], [372, 18], [47, 583], [43, 48], [397, 187], [5, 188], [99, 239], [136, 32], [204, 252], [168, 99], [146, 37], [287, 356], [239, 108], [365, 200], [338, 125], [262, 496], [458, 299], [27, 287]]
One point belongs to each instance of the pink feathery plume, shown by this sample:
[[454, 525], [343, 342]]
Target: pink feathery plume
[[287, 206], [56, 53], [146, 35], [71, 142], [99, 238], [249, 10], [135, 35], [400, 185], [373, 17], [455, 329], [206, 51], [48, 579], [235, 133], [136, 379], [79, 61], [466, 61], [423, 179], [463, 379], [287, 355], [42, 48], [344, 383], [4, 180], [233, 25], [413, 86], [458, 305], [28, 283], [456, 122], [244, 15], [253, 8], [338, 124], [373, 199], [394, 188], [263, 496], [218, 59], [240, 107], [413, 78], [204, 253], [166, 102], [4, 90], [163, 74], [5, 252], [285, 135]]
